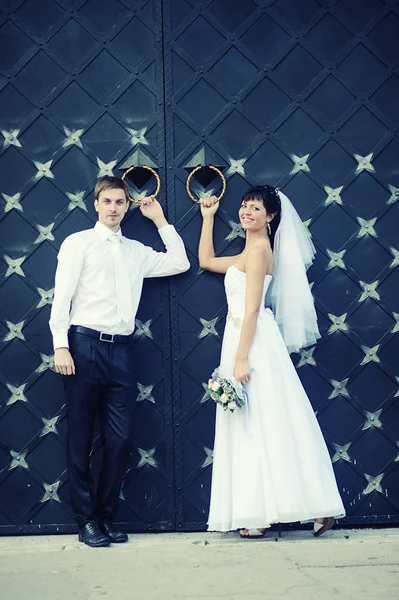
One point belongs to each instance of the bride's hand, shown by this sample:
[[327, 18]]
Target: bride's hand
[[209, 206], [242, 371]]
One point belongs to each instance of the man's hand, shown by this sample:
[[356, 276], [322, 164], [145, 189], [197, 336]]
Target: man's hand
[[151, 209], [63, 362]]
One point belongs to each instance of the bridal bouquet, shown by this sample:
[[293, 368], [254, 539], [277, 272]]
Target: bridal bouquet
[[226, 391]]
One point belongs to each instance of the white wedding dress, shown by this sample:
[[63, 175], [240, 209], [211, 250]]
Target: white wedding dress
[[270, 465]]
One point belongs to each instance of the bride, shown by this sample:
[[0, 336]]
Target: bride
[[271, 463]]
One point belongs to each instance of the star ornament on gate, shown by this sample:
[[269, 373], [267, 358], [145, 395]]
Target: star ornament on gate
[[18, 460], [106, 168], [145, 393], [339, 388], [45, 233], [369, 291], [143, 329], [51, 492], [338, 323], [205, 396], [236, 231], [395, 328], [366, 227], [15, 331], [300, 163], [73, 138], [336, 259], [49, 426], [11, 138], [14, 266], [209, 457], [76, 201], [208, 327], [364, 163], [333, 195], [46, 364], [394, 194], [46, 297], [17, 394], [306, 357], [395, 254], [374, 484], [43, 169], [236, 166], [12, 202], [370, 354], [372, 419], [341, 452], [147, 458], [138, 136]]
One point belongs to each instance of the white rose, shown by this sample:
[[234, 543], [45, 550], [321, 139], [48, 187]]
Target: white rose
[[224, 398], [232, 405], [214, 386]]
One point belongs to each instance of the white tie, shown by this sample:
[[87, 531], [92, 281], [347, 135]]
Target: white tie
[[122, 280]]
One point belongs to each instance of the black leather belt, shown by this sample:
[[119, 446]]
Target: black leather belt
[[101, 335]]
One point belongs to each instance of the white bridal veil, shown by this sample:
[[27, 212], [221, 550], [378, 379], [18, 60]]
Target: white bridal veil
[[289, 293]]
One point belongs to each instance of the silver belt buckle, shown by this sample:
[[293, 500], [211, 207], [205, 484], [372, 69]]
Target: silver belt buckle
[[110, 335]]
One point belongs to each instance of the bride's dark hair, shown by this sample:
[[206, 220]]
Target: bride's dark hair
[[268, 195]]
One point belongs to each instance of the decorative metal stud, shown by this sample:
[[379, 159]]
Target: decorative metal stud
[[338, 323], [209, 457], [138, 136], [370, 354], [15, 331], [46, 297], [143, 329], [45, 233], [208, 327], [73, 137], [369, 290], [364, 163], [147, 458], [300, 163], [49, 426], [46, 364], [18, 460], [236, 166], [336, 259], [12, 202], [76, 201], [51, 492], [105, 168], [17, 394], [372, 419], [339, 388], [11, 138], [333, 195], [14, 265], [374, 484], [145, 393], [366, 227], [341, 453], [43, 169], [394, 194], [306, 357], [395, 261], [236, 231]]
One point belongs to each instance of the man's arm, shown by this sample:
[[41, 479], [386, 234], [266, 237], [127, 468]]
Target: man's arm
[[70, 262], [174, 260]]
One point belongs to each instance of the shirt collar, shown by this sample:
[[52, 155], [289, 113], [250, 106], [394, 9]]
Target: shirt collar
[[105, 233]]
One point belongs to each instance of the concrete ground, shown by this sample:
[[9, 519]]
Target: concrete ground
[[341, 565]]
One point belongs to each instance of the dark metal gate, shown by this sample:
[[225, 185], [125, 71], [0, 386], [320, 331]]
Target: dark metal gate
[[299, 94]]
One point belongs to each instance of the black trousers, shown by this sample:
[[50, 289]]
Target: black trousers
[[104, 383]]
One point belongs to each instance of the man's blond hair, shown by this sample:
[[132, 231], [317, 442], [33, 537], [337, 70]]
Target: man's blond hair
[[110, 183]]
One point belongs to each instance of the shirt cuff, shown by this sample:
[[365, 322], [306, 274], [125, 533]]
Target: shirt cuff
[[60, 340], [166, 231]]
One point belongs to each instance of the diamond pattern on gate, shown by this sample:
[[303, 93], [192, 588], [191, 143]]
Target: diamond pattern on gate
[[84, 89], [322, 104]]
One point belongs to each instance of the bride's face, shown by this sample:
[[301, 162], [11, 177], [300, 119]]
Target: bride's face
[[253, 215]]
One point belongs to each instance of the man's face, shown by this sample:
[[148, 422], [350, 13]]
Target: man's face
[[111, 206]]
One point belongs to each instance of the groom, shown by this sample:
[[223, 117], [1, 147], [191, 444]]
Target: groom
[[98, 286]]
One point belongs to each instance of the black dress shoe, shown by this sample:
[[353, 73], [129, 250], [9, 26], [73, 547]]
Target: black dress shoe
[[91, 535], [114, 536]]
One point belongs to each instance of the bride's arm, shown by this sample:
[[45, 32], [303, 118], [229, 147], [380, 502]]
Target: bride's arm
[[256, 269], [206, 252]]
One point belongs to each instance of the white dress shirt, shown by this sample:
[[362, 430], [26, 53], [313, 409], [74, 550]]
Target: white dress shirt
[[85, 292]]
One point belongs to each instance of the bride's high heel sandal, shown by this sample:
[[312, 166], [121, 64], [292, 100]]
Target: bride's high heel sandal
[[320, 528], [253, 534]]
